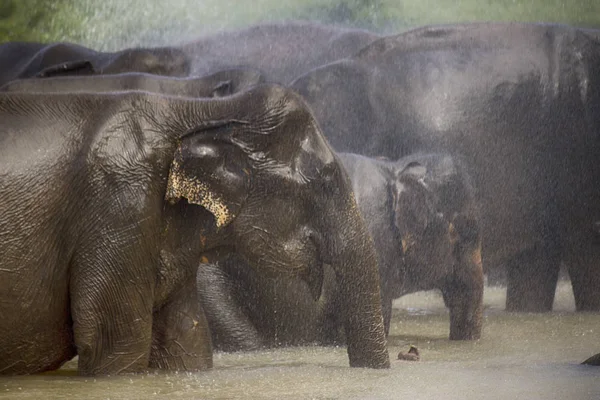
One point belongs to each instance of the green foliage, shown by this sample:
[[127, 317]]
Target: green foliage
[[114, 24], [398, 15], [37, 20], [423, 12]]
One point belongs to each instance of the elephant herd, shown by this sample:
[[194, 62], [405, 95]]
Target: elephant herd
[[283, 184]]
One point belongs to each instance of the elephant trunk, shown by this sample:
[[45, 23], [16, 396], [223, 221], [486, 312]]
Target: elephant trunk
[[355, 265]]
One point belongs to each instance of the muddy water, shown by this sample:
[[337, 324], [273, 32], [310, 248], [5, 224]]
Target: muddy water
[[521, 356]]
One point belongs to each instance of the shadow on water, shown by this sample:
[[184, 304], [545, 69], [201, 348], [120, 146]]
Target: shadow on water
[[520, 356]]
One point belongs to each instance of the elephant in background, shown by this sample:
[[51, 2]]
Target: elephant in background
[[110, 200], [423, 218], [519, 104], [282, 51], [21, 60], [219, 84]]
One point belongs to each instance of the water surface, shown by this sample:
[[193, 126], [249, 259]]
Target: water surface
[[521, 356]]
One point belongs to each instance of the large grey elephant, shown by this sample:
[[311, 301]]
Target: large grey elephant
[[519, 103], [282, 51], [421, 214], [109, 201], [20, 60], [218, 84]]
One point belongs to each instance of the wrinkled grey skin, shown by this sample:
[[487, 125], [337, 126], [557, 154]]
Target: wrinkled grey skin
[[219, 84], [519, 103], [21, 60], [283, 51], [421, 214], [109, 201]]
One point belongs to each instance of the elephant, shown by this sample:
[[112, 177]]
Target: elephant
[[22, 60], [109, 201], [282, 51], [219, 84], [518, 102], [421, 214]]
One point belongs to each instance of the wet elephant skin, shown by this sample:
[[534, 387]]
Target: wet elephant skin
[[421, 214], [110, 200]]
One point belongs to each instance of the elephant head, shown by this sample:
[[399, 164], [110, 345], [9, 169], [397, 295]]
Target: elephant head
[[412, 204], [431, 193], [280, 198]]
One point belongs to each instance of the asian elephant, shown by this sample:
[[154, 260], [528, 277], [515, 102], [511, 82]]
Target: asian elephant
[[520, 104], [422, 216], [282, 51], [218, 84], [20, 60], [109, 201]]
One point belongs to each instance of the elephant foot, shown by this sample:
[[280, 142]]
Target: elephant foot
[[411, 355]]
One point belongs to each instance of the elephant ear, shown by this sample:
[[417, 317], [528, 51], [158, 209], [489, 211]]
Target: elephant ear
[[412, 203], [211, 171]]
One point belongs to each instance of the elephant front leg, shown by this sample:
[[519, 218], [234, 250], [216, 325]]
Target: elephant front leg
[[180, 334], [111, 308], [463, 295]]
